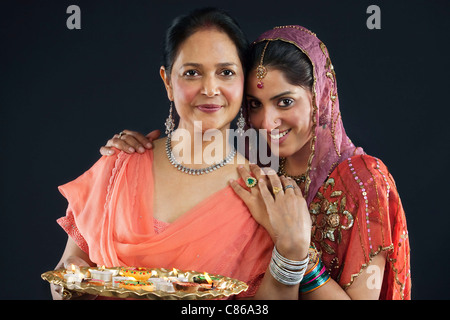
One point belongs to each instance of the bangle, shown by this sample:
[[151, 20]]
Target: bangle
[[314, 255], [316, 277], [286, 271], [287, 263]]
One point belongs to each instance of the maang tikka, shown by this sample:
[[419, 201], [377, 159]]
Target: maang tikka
[[170, 124], [261, 71]]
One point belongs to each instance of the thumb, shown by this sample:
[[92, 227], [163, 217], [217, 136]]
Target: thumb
[[153, 135]]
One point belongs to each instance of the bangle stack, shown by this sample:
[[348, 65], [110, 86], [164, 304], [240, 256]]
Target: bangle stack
[[285, 271], [316, 277]]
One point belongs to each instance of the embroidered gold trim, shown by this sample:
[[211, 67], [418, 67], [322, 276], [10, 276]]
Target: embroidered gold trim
[[365, 265], [298, 28]]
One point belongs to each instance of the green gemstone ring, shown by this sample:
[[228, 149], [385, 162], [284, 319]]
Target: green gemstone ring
[[250, 182]]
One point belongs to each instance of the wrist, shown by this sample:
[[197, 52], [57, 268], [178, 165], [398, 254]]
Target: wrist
[[293, 249], [286, 271]]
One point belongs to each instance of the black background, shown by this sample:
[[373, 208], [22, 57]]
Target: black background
[[65, 92]]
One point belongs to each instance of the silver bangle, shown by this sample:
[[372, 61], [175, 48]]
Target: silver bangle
[[284, 277], [286, 271], [287, 263]]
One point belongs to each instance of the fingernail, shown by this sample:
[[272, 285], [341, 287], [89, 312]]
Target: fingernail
[[141, 149], [148, 145], [231, 180], [131, 149], [110, 152]]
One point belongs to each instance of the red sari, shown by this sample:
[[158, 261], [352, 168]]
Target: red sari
[[357, 214], [354, 204]]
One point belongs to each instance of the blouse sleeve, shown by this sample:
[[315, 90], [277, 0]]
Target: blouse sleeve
[[68, 224], [91, 187], [358, 214]]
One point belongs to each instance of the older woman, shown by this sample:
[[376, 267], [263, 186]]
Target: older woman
[[158, 210]]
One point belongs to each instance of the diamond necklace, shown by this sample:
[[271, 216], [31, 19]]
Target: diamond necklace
[[206, 170]]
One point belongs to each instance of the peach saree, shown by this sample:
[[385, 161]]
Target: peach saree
[[110, 217]]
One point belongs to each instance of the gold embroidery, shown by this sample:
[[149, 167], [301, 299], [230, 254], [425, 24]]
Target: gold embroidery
[[332, 96], [324, 48], [349, 219], [330, 75], [298, 28], [365, 265], [330, 217]]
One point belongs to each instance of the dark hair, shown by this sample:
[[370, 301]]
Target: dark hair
[[184, 26], [287, 58]]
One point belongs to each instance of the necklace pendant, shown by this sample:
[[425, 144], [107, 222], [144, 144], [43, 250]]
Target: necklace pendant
[[282, 172]]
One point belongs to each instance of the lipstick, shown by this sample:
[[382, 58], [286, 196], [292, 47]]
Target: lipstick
[[209, 108]]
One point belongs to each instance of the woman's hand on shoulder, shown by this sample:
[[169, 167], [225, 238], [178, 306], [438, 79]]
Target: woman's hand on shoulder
[[129, 142], [252, 197], [288, 213], [284, 215]]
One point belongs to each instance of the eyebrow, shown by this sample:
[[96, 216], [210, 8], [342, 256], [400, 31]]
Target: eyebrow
[[274, 97], [197, 65]]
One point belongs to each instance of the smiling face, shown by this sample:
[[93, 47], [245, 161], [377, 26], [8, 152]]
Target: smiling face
[[283, 106], [206, 81]]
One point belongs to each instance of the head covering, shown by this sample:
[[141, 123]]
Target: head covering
[[329, 145]]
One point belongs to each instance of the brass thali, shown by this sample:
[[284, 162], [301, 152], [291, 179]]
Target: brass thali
[[224, 286]]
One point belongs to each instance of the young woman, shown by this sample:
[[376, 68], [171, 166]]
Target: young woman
[[358, 222], [142, 210]]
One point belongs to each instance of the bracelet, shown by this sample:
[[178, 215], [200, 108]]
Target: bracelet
[[314, 255], [286, 271], [287, 263], [316, 277]]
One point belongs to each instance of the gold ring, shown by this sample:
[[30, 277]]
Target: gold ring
[[251, 182], [276, 190]]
